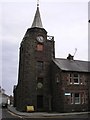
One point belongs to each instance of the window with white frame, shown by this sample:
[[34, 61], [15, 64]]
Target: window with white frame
[[70, 78], [72, 98], [76, 78], [77, 98]]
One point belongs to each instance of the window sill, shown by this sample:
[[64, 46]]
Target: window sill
[[77, 103], [70, 83], [76, 84]]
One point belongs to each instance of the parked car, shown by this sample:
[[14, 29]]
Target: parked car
[[4, 100], [4, 105]]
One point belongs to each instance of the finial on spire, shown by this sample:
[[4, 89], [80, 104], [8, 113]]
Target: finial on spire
[[37, 3], [37, 18]]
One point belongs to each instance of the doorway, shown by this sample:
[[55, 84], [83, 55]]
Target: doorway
[[39, 102]]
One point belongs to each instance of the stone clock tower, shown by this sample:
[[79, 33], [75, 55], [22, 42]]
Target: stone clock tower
[[34, 81]]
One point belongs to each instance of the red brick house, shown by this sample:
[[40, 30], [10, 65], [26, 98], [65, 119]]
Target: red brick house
[[70, 85]]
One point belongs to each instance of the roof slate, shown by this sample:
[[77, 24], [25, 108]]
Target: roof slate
[[72, 65]]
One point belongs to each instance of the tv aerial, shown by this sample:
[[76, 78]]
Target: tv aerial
[[75, 52]]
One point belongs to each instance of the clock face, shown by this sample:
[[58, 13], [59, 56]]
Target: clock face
[[40, 39], [39, 85]]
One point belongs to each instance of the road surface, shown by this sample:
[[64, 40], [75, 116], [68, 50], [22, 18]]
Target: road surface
[[7, 115]]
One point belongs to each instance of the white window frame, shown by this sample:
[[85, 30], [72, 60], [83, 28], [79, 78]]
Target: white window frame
[[70, 77], [77, 99], [78, 78], [67, 93], [72, 98]]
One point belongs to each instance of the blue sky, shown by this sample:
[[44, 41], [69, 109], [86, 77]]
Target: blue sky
[[66, 21]]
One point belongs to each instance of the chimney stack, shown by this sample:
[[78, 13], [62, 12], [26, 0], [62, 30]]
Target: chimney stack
[[70, 57]]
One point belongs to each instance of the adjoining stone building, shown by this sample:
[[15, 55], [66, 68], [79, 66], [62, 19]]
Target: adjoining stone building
[[70, 85], [46, 82]]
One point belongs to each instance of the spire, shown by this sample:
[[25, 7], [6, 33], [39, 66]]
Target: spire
[[37, 19]]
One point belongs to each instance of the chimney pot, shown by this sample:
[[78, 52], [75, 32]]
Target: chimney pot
[[70, 57]]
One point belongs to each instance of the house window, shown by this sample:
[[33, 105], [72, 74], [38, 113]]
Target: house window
[[39, 47], [72, 98], [70, 78], [40, 79], [77, 98], [39, 82], [40, 65], [67, 97], [57, 78], [76, 78]]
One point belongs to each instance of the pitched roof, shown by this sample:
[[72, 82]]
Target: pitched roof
[[72, 65], [4, 95], [37, 20]]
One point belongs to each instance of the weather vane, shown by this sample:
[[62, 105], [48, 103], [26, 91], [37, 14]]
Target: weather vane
[[37, 3]]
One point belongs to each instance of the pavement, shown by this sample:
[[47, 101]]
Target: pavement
[[42, 114]]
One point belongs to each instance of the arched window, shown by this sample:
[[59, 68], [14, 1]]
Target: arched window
[[57, 78], [39, 47]]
